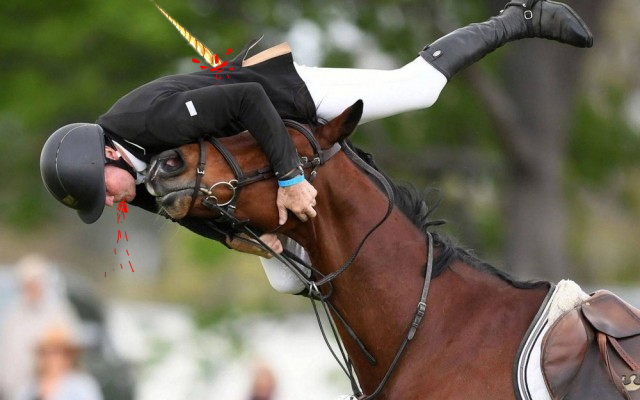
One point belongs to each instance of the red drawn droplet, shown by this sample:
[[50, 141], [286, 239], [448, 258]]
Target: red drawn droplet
[[120, 265], [105, 274], [203, 67], [195, 60], [230, 68], [229, 51], [216, 59], [131, 267], [114, 251], [125, 236], [113, 270], [227, 75], [127, 252]]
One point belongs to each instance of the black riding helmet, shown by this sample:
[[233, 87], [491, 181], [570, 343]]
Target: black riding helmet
[[72, 168]]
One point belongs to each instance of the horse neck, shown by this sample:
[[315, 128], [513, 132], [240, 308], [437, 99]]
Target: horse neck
[[380, 289], [348, 208], [379, 293]]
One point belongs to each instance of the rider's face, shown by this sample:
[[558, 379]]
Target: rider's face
[[119, 183]]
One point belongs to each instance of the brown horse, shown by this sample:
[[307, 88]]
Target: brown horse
[[476, 316]]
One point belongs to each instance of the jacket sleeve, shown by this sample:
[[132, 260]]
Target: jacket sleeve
[[184, 117]]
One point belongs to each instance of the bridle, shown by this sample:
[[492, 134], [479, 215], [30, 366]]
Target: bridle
[[226, 215], [242, 179]]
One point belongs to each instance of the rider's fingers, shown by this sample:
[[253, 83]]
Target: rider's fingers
[[282, 214], [272, 241], [306, 213], [302, 215], [277, 246], [311, 212]]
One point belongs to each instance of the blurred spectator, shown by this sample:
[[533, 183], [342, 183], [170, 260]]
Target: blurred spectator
[[264, 383], [57, 369], [26, 317]]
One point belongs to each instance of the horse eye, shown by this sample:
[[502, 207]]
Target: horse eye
[[172, 164]]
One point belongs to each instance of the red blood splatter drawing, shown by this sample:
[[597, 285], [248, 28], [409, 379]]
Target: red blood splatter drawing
[[218, 67], [122, 210]]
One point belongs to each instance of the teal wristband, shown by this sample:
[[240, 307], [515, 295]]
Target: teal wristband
[[292, 181]]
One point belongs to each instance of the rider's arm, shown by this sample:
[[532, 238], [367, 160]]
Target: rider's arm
[[185, 116], [224, 110]]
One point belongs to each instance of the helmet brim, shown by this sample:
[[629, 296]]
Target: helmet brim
[[93, 213]]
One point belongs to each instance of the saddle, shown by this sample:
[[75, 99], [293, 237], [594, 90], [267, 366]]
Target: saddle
[[593, 351]]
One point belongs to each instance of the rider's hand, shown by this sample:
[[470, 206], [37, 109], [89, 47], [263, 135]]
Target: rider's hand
[[299, 198], [245, 244]]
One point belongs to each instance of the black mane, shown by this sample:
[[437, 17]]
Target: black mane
[[413, 205]]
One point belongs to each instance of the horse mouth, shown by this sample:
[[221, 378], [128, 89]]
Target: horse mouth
[[175, 203]]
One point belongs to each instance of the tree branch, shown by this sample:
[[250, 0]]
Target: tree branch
[[506, 116]]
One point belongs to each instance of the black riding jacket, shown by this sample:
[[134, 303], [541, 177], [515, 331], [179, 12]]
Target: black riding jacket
[[179, 109]]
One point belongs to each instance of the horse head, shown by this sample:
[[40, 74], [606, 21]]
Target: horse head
[[173, 175]]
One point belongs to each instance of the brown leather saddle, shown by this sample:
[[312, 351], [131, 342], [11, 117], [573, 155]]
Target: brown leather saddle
[[593, 351]]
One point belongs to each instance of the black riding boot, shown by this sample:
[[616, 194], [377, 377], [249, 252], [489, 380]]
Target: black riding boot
[[528, 18]]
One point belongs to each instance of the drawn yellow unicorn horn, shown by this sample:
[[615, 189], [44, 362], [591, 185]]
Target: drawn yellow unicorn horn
[[208, 55]]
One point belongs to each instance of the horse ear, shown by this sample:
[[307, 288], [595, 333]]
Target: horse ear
[[342, 126]]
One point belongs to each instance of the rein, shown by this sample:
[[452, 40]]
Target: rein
[[321, 156]]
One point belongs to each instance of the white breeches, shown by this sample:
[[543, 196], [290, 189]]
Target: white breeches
[[415, 86]]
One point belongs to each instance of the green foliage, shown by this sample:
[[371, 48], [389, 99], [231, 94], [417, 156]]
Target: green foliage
[[203, 252], [601, 141]]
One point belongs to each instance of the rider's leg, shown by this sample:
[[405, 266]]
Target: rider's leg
[[418, 84], [415, 86], [519, 20]]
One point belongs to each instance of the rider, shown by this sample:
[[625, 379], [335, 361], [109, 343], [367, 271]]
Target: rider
[[87, 166]]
